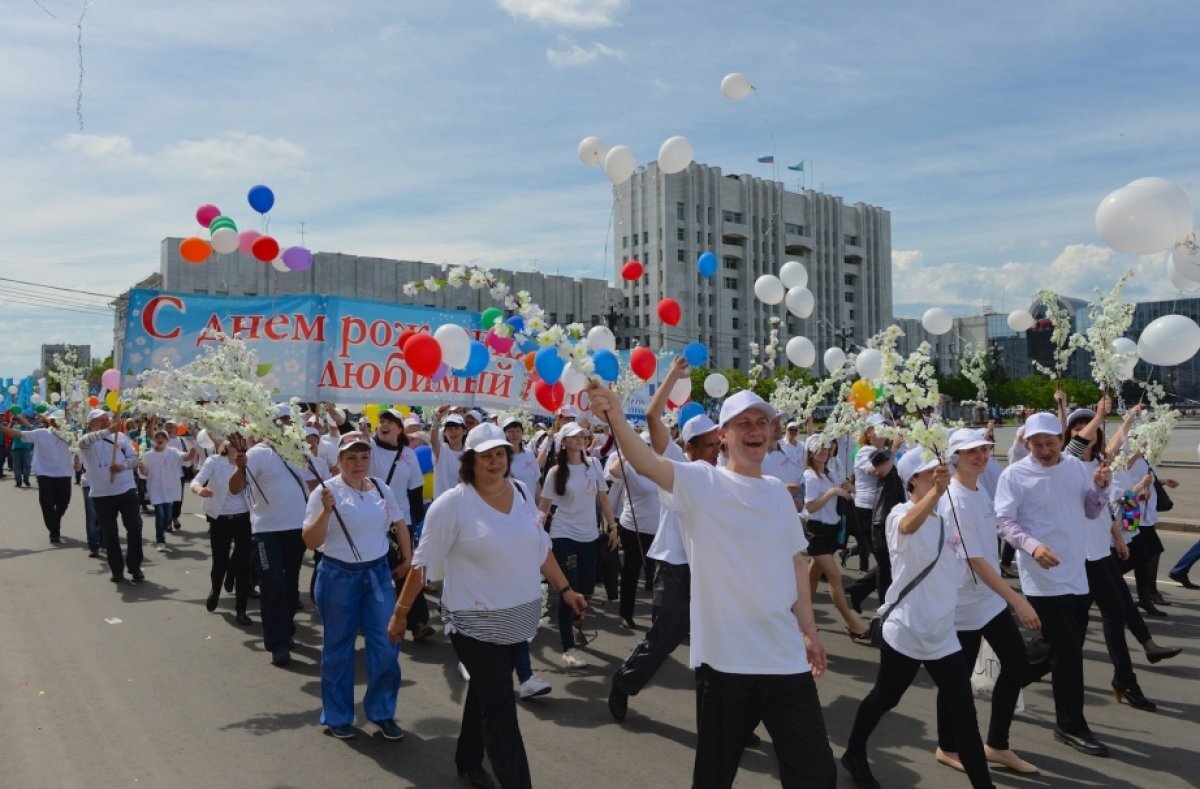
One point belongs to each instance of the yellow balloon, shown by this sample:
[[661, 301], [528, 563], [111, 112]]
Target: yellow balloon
[[862, 394], [371, 412], [112, 400], [427, 490]]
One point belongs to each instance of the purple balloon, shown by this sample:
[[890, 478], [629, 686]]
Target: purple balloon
[[297, 258], [440, 373]]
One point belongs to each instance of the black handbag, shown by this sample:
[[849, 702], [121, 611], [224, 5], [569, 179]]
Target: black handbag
[[875, 626], [1164, 501]]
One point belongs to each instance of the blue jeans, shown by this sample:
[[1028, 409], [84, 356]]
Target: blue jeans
[[90, 525], [577, 560], [523, 663], [350, 595], [1187, 560], [21, 461], [162, 520]]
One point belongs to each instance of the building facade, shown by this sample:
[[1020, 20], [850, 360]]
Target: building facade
[[753, 226]]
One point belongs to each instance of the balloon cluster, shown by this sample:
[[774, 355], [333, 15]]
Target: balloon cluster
[[225, 238], [619, 162], [1150, 215]]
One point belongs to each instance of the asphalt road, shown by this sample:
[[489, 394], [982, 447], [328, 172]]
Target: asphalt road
[[173, 696]]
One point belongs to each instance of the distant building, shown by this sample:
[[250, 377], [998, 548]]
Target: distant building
[[82, 352]]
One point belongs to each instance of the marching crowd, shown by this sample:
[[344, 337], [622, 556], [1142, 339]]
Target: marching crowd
[[731, 523]]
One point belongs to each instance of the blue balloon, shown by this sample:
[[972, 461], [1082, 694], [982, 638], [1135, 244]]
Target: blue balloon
[[261, 198], [548, 365], [517, 323], [607, 366], [424, 458], [689, 412], [696, 354], [476, 363], [527, 346], [707, 264]]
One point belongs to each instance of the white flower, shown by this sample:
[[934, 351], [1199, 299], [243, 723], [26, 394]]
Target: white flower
[[479, 279], [432, 285], [410, 288]]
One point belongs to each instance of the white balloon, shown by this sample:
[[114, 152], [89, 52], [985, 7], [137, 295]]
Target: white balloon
[[1136, 220], [37, 400], [591, 151], [1020, 320], [573, 381], [204, 441], [1169, 340], [55, 397], [280, 266], [716, 385], [681, 392], [801, 352], [1124, 345], [12, 390], [619, 164], [769, 289], [1186, 258], [225, 240], [601, 338], [675, 154], [1172, 195], [736, 86], [1179, 280], [869, 363], [456, 345], [800, 302], [793, 274], [834, 358], [937, 321]]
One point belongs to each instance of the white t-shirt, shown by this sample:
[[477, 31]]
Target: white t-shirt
[[366, 514], [184, 444], [404, 475], [641, 499], [787, 468], [575, 518], [668, 542], [277, 491], [1048, 502], [525, 469], [490, 560], [323, 470], [815, 486], [741, 535], [866, 484], [977, 603], [162, 474], [1125, 480], [445, 469], [922, 626], [51, 453], [327, 447], [214, 475], [1098, 537], [96, 451]]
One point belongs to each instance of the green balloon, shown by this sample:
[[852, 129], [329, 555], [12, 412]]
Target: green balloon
[[40, 408], [221, 221], [14, 410], [490, 316], [879, 393]]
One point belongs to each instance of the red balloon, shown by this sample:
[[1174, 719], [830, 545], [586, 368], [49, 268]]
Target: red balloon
[[265, 249], [632, 270], [669, 311], [423, 354], [643, 363], [405, 336], [551, 397]]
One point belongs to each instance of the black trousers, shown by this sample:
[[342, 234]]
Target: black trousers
[[489, 720], [632, 560], [177, 507], [861, 526], [278, 555], [1117, 611], [1144, 546], [952, 676], [1064, 620], [224, 532], [877, 579], [672, 622], [126, 505], [54, 495], [732, 705], [1003, 635]]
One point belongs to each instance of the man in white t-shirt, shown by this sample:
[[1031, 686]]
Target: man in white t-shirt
[[109, 457], [1043, 503], [744, 544], [52, 465]]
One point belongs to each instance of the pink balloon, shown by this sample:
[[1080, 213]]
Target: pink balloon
[[246, 240], [497, 343], [440, 373], [206, 213], [297, 258], [111, 380]]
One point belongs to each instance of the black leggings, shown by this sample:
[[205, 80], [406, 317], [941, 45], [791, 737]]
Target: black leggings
[[1108, 589], [232, 530], [952, 676], [1005, 639], [633, 556]]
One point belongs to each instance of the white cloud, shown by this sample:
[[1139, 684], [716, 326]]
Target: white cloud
[[113, 148], [905, 259], [231, 154], [566, 13], [579, 56]]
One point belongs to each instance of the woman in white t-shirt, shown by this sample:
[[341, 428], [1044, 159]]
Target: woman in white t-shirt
[[867, 476], [524, 461], [354, 589], [228, 516], [919, 622], [446, 439], [575, 486], [637, 526], [162, 467], [483, 537], [821, 494]]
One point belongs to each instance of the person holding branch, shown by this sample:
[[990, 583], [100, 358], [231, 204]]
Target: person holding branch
[[745, 546], [109, 457]]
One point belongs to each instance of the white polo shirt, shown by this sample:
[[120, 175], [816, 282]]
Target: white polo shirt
[[51, 453], [278, 494]]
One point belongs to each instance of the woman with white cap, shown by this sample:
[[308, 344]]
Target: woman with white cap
[[982, 612], [524, 461], [483, 536], [354, 589], [1043, 505], [575, 485], [446, 439], [918, 621], [228, 516]]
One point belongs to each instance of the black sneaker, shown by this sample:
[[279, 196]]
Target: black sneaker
[[213, 597], [390, 729], [618, 702], [116, 579], [137, 577], [1183, 580], [54, 538], [341, 732], [281, 657], [95, 554], [243, 618], [860, 771]]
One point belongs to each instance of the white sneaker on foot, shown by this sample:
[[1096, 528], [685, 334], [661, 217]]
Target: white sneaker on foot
[[534, 686], [462, 670], [573, 659], [161, 547]]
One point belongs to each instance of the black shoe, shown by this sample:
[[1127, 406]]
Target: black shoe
[[477, 777], [213, 597], [54, 538], [94, 554], [1183, 580], [1162, 654], [855, 603], [137, 577], [390, 729], [1157, 598], [860, 771], [1084, 743], [618, 702], [116, 579], [627, 623], [1148, 607], [229, 582], [423, 631], [1133, 696], [341, 732], [243, 618], [254, 594], [281, 657]]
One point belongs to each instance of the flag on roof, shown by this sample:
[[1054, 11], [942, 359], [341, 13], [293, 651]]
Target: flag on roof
[[798, 166], [766, 160]]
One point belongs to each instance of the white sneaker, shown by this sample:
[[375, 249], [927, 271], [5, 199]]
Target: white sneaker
[[573, 659], [462, 670], [534, 686], [161, 547]]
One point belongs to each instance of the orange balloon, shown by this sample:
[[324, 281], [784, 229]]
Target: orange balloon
[[194, 250], [529, 359], [862, 394], [94, 401], [181, 430]]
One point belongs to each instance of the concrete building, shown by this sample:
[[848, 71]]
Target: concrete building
[[753, 226], [82, 352]]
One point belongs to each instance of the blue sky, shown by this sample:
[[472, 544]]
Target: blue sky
[[447, 131]]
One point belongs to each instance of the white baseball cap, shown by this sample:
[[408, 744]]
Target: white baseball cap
[[743, 401], [572, 429], [697, 426], [510, 420], [478, 417], [311, 431], [96, 413], [876, 419], [966, 438], [485, 436], [455, 419], [283, 410], [913, 462], [814, 443], [1042, 424]]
